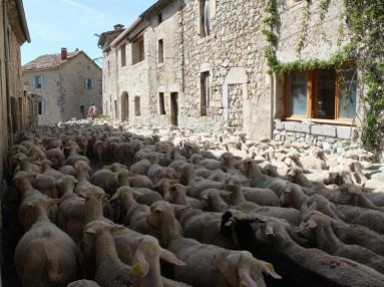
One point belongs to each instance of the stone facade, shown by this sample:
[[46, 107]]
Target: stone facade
[[64, 89], [13, 102], [219, 80]]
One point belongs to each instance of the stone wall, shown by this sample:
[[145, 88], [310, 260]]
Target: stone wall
[[242, 92], [64, 91], [232, 54], [323, 135], [74, 93]]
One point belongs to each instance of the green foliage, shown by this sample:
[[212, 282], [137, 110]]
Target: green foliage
[[304, 26], [365, 22]]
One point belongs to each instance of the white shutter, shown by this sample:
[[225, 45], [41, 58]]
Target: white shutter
[[34, 82]]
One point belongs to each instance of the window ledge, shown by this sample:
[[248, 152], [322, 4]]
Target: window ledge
[[341, 122]]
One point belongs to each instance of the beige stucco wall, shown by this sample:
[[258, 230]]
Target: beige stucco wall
[[64, 89]]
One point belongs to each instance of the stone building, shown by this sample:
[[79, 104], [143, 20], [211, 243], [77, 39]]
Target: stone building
[[67, 83], [202, 65], [13, 103]]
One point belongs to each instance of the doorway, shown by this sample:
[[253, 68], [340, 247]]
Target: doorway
[[125, 107], [174, 109]]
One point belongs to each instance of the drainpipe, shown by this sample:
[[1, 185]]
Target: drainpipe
[[7, 72]]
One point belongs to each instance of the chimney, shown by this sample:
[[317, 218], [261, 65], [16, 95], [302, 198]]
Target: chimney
[[118, 26], [64, 54]]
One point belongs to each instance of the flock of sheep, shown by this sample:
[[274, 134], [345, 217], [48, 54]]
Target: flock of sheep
[[112, 208]]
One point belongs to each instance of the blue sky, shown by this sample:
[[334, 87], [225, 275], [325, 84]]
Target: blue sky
[[72, 23]]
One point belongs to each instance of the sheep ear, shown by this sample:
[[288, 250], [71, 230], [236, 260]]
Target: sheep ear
[[311, 224], [170, 257], [91, 230], [267, 268], [269, 230], [115, 196], [140, 264]]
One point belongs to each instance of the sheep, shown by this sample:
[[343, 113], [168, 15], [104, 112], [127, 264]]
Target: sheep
[[45, 255], [68, 170], [56, 156], [74, 155], [318, 229], [133, 214], [71, 213], [294, 197], [132, 248], [207, 265], [239, 202], [110, 271], [338, 270], [45, 184], [22, 181], [177, 194], [201, 226], [83, 283], [105, 179], [156, 173], [196, 184], [354, 234], [261, 196], [372, 219], [125, 177], [48, 170], [258, 179]]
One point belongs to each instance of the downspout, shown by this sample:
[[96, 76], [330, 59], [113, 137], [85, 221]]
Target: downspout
[[7, 73]]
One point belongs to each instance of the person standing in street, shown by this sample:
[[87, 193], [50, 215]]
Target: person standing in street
[[92, 111]]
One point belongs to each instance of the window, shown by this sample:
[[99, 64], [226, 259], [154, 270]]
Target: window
[[161, 104], [41, 107], [38, 82], [161, 51], [138, 50], [137, 106], [204, 93], [88, 84], [123, 56], [205, 18], [321, 94], [159, 18]]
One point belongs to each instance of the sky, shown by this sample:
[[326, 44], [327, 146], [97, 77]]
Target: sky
[[72, 24]]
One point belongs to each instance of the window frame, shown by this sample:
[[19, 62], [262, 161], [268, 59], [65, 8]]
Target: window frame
[[137, 102], [36, 82], [205, 18], [312, 96], [138, 45], [162, 110], [205, 93], [160, 54], [88, 85], [123, 55]]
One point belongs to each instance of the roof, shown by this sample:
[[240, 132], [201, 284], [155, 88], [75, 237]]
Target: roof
[[20, 9], [154, 8], [107, 38], [50, 61]]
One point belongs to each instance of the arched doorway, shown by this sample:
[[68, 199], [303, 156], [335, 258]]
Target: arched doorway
[[125, 107]]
